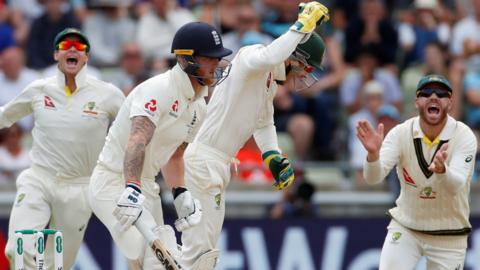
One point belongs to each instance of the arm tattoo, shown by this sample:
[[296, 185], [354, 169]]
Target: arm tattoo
[[141, 133]]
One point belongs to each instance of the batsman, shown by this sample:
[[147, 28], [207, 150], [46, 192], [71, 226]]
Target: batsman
[[240, 107]]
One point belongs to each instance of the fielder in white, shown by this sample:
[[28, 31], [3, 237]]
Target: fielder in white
[[435, 156], [72, 111], [153, 127], [240, 107]]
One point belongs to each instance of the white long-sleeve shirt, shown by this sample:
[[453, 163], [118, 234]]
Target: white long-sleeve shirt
[[242, 105], [428, 202], [69, 130], [169, 101]]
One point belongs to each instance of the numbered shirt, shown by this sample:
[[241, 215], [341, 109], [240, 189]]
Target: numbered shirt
[[69, 130], [169, 101]]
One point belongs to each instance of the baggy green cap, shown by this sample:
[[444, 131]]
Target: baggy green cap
[[71, 32], [434, 78]]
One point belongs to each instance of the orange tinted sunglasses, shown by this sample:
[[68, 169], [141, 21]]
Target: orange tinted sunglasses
[[67, 44]]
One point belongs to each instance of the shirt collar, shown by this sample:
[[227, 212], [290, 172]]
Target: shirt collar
[[445, 134], [80, 78], [182, 81], [279, 72]]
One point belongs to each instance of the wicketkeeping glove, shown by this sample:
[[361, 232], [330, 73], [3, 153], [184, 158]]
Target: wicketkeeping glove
[[280, 167], [188, 209], [129, 207], [310, 15]]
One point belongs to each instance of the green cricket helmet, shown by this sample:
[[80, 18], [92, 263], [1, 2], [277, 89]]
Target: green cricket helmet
[[311, 51], [310, 54]]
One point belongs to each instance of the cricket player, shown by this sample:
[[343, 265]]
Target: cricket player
[[241, 106], [72, 112], [435, 156], [153, 127]]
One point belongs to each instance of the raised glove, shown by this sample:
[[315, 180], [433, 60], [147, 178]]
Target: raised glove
[[129, 207], [188, 209], [280, 167], [311, 14]]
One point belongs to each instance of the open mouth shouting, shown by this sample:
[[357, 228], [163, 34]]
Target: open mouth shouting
[[433, 111], [72, 62]]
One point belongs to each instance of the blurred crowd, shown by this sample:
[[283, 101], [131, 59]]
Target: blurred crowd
[[377, 50]]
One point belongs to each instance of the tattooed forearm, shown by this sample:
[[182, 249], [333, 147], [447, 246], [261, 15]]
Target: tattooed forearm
[[140, 135]]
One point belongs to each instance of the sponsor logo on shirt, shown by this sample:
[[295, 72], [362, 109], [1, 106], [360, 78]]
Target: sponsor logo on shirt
[[174, 109], [428, 193], [469, 158], [151, 106], [218, 200], [89, 108], [408, 179], [48, 102]]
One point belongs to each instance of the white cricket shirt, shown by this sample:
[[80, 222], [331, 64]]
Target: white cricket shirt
[[169, 101], [69, 130], [243, 104], [428, 202]]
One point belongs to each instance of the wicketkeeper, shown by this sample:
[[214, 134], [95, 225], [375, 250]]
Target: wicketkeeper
[[240, 107]]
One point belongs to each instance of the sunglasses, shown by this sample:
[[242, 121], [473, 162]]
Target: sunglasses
[[67, 44], [427, 92]]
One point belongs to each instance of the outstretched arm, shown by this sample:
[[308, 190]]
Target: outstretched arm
[[130, 205]]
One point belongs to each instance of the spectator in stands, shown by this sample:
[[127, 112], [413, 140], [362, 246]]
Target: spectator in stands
[[291, 115], [14, 78], [13, 27], [426, 28], [219, 13], [435, 63], [472, 94], [297, 200], [108, 28], [247, 30], [43, 31], [367, 69], [7, 37], [13, 157], [132, 69], [389, 116], [465, 49], [250, 167], [157, 27], [372, 100], [279, 16], [372, 29]]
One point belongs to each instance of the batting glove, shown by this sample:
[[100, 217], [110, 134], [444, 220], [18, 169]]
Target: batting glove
[[129, 207], [280, 167], [188, 209], [310, 15]]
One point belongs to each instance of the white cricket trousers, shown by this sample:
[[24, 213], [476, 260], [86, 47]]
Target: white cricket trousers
[[403, 248], [46, 200], [207, 174], [105, 189]]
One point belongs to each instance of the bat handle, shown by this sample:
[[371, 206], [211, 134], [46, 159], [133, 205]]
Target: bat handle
[[145, 226]]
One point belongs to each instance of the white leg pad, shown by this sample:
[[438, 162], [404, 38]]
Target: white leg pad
[[166, 235], [207, 261]]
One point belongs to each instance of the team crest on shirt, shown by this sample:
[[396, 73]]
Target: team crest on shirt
[[20, 198], [218, 200], [469, 158], [48, 103], [90, 108], [408, 179], [395, 237], [428, 193]]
